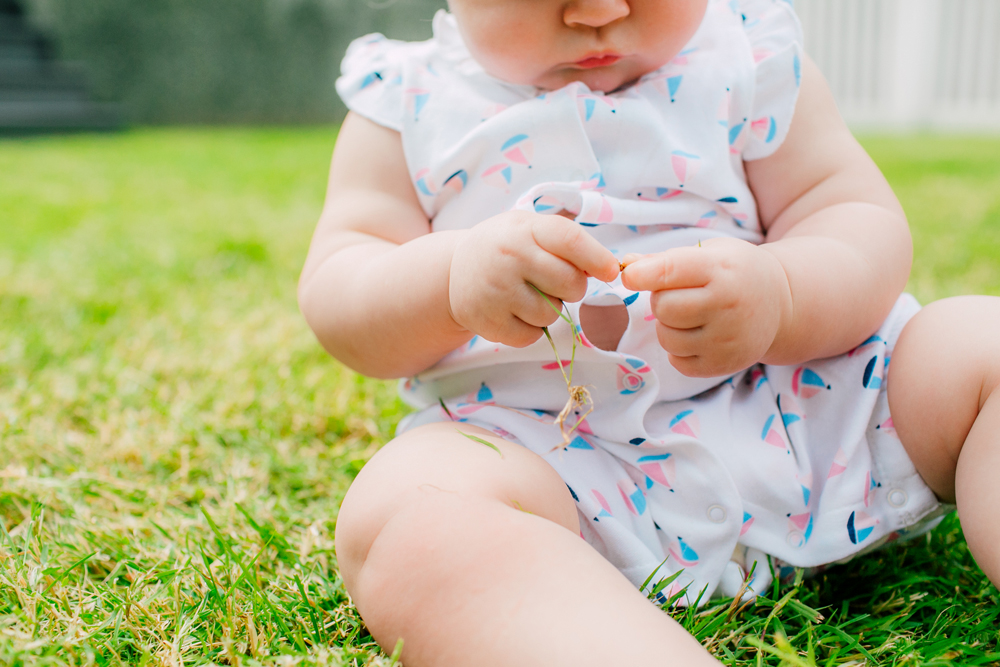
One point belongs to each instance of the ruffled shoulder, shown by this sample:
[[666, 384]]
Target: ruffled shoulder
[[371, 81], [775, 37]]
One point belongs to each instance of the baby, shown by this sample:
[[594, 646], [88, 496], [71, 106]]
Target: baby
[[733, 415]]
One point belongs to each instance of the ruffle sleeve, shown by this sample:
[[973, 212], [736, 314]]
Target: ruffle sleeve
[[371, 81], [775, 37]]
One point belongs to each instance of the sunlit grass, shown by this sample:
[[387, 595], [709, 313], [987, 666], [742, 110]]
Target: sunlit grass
[[174, 444]]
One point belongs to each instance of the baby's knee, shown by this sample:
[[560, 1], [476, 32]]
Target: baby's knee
[[358, 524], [374, 497], [948, 320], [393, 561], [954, 337], [427, 468]]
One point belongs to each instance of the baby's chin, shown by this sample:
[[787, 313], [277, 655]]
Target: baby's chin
[[602, 79], [599, 79]]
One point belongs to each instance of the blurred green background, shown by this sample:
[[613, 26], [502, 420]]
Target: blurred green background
[[221, 61]]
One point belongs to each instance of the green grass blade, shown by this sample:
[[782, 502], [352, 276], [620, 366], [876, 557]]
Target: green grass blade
[[653, 574], [566, 318], [445, 408], [482, 442], [68, 570], [312, 610], [555, 351], [852, 643], [663, 583], [396, 652]]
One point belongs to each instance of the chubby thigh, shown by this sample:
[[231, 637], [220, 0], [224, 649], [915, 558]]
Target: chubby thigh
[[436, 459], [419, 525], [943, 396], [468, 549]]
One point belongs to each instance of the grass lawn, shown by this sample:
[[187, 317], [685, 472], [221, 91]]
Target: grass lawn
[[174, 444]]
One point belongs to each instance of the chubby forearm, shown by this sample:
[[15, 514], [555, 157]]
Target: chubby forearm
[[846, 265], [836, 228], [382, 308]]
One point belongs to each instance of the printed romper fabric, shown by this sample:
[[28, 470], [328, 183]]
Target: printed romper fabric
[[799, 464]]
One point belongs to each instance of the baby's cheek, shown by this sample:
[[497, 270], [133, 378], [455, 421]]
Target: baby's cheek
[[516, 55], [667, 25]]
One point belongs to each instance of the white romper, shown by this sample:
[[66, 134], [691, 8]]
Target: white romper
[[799, 464]]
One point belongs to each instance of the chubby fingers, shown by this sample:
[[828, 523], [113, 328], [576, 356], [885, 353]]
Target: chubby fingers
[[538, 302], [683, 309], [567, 240], [628, 259], [680, 268], [557, 278], [553, 281]]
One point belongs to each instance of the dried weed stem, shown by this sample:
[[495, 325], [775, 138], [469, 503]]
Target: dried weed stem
[[580, 400]]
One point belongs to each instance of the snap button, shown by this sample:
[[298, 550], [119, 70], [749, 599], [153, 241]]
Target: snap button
[[796, 539], [717, 514], [897, 497]]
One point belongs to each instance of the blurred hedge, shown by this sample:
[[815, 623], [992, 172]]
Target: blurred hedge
[[222, 61]]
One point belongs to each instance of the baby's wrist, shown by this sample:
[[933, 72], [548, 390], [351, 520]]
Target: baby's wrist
[[455, 251], [782, 307]]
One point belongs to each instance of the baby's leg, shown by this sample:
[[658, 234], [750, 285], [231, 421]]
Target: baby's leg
[[434, 547], [945, 403]]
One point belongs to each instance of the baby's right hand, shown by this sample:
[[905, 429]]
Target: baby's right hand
[[497, 262]]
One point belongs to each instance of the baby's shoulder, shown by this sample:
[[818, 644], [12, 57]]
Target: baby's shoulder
[[383, 58], [372, 76], [772, 39], [770, 25], [434, 85]]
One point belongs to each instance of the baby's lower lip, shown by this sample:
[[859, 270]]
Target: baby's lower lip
[[602, 61]]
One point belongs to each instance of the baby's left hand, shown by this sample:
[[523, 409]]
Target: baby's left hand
[[719, 307]]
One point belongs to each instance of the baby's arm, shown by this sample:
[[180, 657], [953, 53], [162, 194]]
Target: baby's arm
[[836, 227], [375, 283], [389, 299], [836, 257]]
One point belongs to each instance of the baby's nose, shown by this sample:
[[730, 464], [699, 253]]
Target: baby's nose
[[595, 13]]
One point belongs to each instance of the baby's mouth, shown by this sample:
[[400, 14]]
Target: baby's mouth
[[598, 61]]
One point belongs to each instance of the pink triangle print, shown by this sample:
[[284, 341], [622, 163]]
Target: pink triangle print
[[839, 464]]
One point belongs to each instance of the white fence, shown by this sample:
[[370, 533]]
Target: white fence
[[906, 64]]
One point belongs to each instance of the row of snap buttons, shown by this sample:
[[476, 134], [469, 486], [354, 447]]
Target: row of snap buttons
[[897, 497]]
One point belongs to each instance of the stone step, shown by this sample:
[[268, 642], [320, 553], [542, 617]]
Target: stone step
[[18, 117], [22, 74], [48, 95], [12, 25], [39, 93], [20, 51], [17, 35]]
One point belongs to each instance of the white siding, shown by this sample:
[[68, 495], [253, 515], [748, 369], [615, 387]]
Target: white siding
[[907, 64]]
